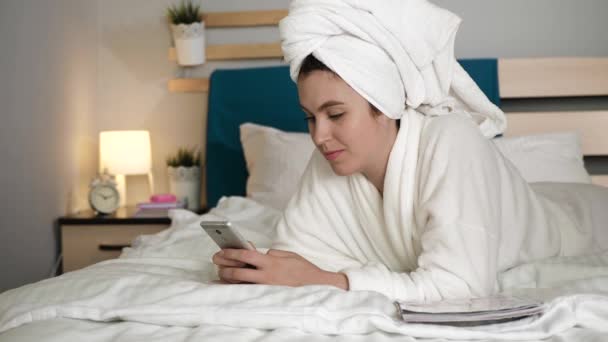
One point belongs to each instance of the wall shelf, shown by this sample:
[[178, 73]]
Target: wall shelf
[[231, 51], [238, 51], [189, 85], [244, 19]]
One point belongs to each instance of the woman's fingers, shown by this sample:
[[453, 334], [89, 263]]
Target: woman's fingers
[[276, 268], [225, 280], [245, 256], [220, 260], [240, 275]]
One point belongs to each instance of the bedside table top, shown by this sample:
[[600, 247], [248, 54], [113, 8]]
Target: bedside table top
[[124, 215]]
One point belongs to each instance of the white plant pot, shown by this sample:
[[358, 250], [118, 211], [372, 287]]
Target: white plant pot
[[185, 184], [189, 43]]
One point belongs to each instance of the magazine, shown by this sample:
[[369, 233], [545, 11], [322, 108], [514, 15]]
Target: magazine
[[473, 311], [157, 209], [161, 205]]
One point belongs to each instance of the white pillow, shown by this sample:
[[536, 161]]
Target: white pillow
[[276, 161], [552, 157]]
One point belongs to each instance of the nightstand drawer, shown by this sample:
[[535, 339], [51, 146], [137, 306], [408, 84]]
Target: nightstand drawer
[[84, 245]]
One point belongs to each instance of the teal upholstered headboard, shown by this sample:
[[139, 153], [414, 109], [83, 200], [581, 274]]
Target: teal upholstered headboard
[[267, 96]]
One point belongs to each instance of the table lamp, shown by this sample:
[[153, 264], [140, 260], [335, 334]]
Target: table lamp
[[123, 153]]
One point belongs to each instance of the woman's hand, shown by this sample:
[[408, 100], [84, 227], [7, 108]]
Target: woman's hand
[[274, 268]]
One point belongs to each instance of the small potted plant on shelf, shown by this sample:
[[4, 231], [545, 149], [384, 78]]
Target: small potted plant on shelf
[[184, 176], [188, 29]]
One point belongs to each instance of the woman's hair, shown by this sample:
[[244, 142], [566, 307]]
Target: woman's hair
[[311, 63]]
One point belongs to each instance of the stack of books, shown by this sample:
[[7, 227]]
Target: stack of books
[[157, 209]]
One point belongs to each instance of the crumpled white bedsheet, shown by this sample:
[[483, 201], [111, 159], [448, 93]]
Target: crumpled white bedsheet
[[167, 279]]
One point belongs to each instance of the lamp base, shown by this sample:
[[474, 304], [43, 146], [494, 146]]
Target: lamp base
[[121, 186]]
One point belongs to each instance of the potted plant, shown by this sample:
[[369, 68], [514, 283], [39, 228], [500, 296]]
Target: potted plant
[[185, 176], [188, 29]]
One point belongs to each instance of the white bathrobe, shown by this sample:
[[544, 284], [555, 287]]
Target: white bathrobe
[[454, 214]]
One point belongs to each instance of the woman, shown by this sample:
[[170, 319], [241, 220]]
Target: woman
[[404, 195]]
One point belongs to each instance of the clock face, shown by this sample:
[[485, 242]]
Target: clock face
[[104, 199]]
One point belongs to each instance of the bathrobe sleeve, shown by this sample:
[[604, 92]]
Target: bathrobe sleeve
[[458, 214], [316, 221]]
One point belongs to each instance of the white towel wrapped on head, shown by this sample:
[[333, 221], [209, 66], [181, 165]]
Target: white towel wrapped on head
[[395, 53]]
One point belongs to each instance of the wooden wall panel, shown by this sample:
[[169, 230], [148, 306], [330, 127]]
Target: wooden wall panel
[[552, 77], [592, 126]]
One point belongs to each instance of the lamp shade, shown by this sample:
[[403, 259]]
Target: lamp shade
[[125, 152]]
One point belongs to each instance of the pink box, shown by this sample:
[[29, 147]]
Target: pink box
[[163, 198]]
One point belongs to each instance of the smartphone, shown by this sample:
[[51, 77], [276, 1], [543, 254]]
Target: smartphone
[[225, 235]]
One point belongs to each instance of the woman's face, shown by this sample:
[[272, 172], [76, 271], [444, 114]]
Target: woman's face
[[342, 124]]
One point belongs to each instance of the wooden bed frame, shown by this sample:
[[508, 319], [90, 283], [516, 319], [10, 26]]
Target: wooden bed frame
[[558, 78], [519, 78]]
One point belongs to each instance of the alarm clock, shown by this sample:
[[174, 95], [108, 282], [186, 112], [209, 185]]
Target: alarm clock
[[103, 195]]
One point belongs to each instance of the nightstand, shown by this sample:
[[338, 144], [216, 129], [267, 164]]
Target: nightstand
[[87, 238]]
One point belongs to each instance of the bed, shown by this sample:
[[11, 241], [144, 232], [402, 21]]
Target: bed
[[164, 287]]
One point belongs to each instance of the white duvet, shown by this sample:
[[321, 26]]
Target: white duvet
[[167, 280]]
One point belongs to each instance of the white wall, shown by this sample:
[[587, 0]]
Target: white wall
[[48, 66], [524, 28], [132, 83], [134, 68], [97, 65]]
